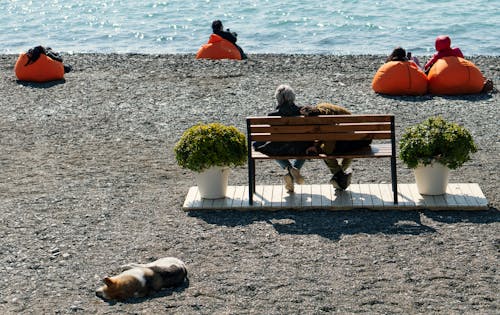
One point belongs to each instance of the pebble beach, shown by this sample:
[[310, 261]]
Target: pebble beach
[[89, 182]]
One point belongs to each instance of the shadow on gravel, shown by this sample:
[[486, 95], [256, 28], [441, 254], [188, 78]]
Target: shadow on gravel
[[481, 217], [465, 97], [407, 98], [328, 224], [160, 294], [43, 85]]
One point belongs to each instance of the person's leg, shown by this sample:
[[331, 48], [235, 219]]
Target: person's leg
[[288, 179], [416, 61], [289, 186], [344, 178], [298, 164], [346, 163], [243, 55], [340, 179], [285, 164], [294, 170], [333, 166]]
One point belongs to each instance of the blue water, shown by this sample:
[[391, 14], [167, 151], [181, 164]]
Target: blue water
[[263, 26]]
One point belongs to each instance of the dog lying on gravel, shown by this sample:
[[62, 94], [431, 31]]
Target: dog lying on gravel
[[139, 280]]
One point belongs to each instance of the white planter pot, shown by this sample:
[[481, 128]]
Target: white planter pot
[[432, 179], [212, 183]]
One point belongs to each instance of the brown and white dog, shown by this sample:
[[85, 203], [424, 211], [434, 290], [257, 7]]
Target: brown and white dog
[[139, 280]]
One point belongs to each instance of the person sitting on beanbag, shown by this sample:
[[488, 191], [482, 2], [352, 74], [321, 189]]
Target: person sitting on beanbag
[[443, 47], [449, 73], [40, 64], [221, 45], [400, 75]]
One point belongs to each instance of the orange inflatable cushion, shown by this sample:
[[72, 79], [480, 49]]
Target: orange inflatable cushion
[[43, 70], [400, 78], [455, 75], [218, 48]]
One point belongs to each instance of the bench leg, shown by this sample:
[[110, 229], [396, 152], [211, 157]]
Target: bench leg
[[251, 180], [394, 179]]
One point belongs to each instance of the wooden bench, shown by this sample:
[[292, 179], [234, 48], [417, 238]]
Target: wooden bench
[[323, 128]]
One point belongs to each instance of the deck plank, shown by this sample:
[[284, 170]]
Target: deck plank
[[316, 196], [275, 195], [455, 190], [405, 197], [374, 190], [326, 195], [356, 197], [449, 197], [418, 199], [469, 195], [366, 195], [472, 195], [245, 202], [478, 194], [207, 203], [192, 200], [387, 195], [238, 197], [305, 193], [258, 197]]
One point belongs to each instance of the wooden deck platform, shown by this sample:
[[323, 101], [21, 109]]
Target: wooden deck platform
[[367, 196]]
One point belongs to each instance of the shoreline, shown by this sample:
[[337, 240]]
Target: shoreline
[[90, 183]]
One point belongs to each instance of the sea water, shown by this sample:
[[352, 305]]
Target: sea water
[[263, 26]]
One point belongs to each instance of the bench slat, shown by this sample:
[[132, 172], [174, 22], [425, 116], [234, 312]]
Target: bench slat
[[347, 127], [317, 120], [322, 136], [374, 150]]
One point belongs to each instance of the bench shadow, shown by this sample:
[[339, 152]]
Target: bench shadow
[[325, 223], [160, 294], [331, 224], [41, 85]]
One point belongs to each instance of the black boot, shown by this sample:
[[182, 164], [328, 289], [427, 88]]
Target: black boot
[[341, 180]]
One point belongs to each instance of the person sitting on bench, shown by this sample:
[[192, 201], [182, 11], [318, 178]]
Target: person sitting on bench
[[341, 173]]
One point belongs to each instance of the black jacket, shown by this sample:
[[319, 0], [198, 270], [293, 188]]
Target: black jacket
[[230, 36], [287, 110]]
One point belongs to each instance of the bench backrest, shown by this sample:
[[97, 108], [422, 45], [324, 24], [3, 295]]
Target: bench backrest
[[321, 128]]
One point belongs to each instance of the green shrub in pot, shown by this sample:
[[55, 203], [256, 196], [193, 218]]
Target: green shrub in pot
[[205, 145], [436, 140]]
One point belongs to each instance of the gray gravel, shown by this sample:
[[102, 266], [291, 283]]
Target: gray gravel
[[89, 182]]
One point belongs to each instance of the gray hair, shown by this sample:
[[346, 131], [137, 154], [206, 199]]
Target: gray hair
[[284, 94]]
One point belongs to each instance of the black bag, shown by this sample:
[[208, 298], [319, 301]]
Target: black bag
[[348, 146], [282, 148]]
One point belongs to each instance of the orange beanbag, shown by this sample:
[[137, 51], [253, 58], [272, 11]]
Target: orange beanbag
[[218, 48], [455, 75], [400, 78], [42, 70]]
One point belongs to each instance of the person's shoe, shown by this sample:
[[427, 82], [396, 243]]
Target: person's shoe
[[295, 172], [341, 180], [334, 183], [288, 183], [488, 86]]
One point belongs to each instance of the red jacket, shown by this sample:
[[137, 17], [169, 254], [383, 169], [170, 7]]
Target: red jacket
[[443, 48]]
